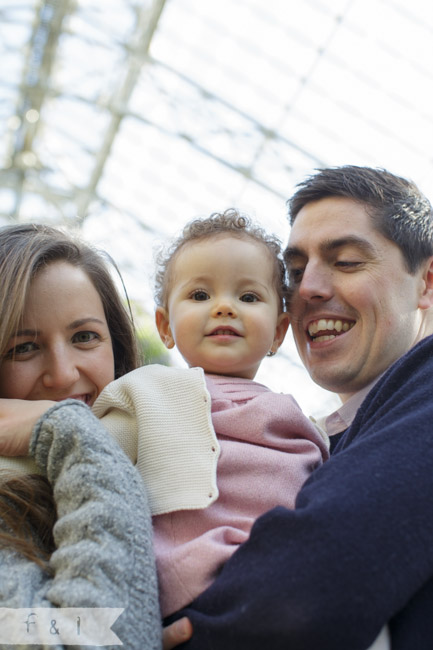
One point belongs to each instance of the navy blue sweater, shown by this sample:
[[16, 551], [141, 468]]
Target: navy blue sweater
[[356, 552]]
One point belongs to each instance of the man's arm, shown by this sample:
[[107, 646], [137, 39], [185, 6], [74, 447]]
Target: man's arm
[[356, 549]]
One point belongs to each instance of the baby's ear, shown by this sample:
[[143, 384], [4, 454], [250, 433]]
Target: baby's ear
[[281, 328], [163, 326]]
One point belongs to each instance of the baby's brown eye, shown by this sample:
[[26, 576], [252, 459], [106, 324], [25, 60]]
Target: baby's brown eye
[[200, 295], [249, 297]]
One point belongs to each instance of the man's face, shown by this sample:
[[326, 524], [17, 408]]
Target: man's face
[[355, 308]]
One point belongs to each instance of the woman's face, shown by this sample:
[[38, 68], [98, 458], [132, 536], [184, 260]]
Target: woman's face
[[63, 346]]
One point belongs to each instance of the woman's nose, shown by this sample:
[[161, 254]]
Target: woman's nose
[[60, 370]]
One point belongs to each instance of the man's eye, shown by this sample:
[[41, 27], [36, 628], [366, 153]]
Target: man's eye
[[85, 337], [200, 295], [295, 275], [346, 264], [249, 297]]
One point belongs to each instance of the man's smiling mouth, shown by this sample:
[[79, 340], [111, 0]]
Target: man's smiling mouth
[[326, 329]]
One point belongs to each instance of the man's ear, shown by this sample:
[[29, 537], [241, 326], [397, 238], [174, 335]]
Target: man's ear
[[281, 328], [426, 297], [163, 326]]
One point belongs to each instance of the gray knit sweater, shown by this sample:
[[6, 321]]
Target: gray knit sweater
[[103, 534]]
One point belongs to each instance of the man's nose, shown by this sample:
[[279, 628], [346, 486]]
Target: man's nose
[[60, 369], [316, 283]]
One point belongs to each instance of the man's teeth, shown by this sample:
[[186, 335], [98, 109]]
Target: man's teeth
[[326, 337], [328, 325]]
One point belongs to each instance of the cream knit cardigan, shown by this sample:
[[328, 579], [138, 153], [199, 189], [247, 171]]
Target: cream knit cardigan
[[161, 417]]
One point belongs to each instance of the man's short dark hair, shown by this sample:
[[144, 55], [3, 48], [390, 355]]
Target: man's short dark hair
[[399, 210]]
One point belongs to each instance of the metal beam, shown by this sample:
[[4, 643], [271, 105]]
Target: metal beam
[[41, 53], [146, 24]]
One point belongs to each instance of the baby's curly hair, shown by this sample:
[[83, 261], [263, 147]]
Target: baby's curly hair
[[229, 222]]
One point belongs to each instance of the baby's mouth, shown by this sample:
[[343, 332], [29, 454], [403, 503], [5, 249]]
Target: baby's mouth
[[326, 329], [223, 331]]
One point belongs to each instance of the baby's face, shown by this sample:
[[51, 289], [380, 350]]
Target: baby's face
[[223, 310]]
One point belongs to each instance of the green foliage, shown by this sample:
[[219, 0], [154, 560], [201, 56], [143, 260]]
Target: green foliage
[[150, 346]]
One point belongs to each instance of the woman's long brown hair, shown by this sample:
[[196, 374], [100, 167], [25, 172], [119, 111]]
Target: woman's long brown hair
[[27, 508], [28, 515]]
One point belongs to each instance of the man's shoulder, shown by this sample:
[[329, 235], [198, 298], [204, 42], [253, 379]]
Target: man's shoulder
[[411, 367], [408, 373], [401, 398], [419, 350]]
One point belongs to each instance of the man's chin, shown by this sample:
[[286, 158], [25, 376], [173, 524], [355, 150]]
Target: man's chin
[[335, 379]]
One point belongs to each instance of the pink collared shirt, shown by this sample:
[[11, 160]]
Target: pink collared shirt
[[343, 417]]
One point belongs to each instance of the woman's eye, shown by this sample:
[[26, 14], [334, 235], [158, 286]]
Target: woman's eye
[[200, 295], [85, 337], [249, 297], [20, 349]]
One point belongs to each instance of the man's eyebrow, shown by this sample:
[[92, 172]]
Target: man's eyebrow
[[330, 245], [292, 251], [349, 240]]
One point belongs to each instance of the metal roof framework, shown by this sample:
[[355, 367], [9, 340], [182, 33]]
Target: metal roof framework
[[127, 118]]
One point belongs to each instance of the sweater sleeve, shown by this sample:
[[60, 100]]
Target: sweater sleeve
[[103, 534], [355, 553], [161, 417]]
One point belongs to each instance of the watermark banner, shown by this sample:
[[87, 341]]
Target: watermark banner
[[64, 625]]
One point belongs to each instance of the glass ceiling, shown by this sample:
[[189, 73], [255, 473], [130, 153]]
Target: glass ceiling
[[128, 118]]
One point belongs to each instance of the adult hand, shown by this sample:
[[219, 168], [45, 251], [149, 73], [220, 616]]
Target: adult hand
[[176, 633], [17, 419]]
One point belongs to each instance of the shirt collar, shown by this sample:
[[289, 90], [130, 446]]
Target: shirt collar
[[343, 417]]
